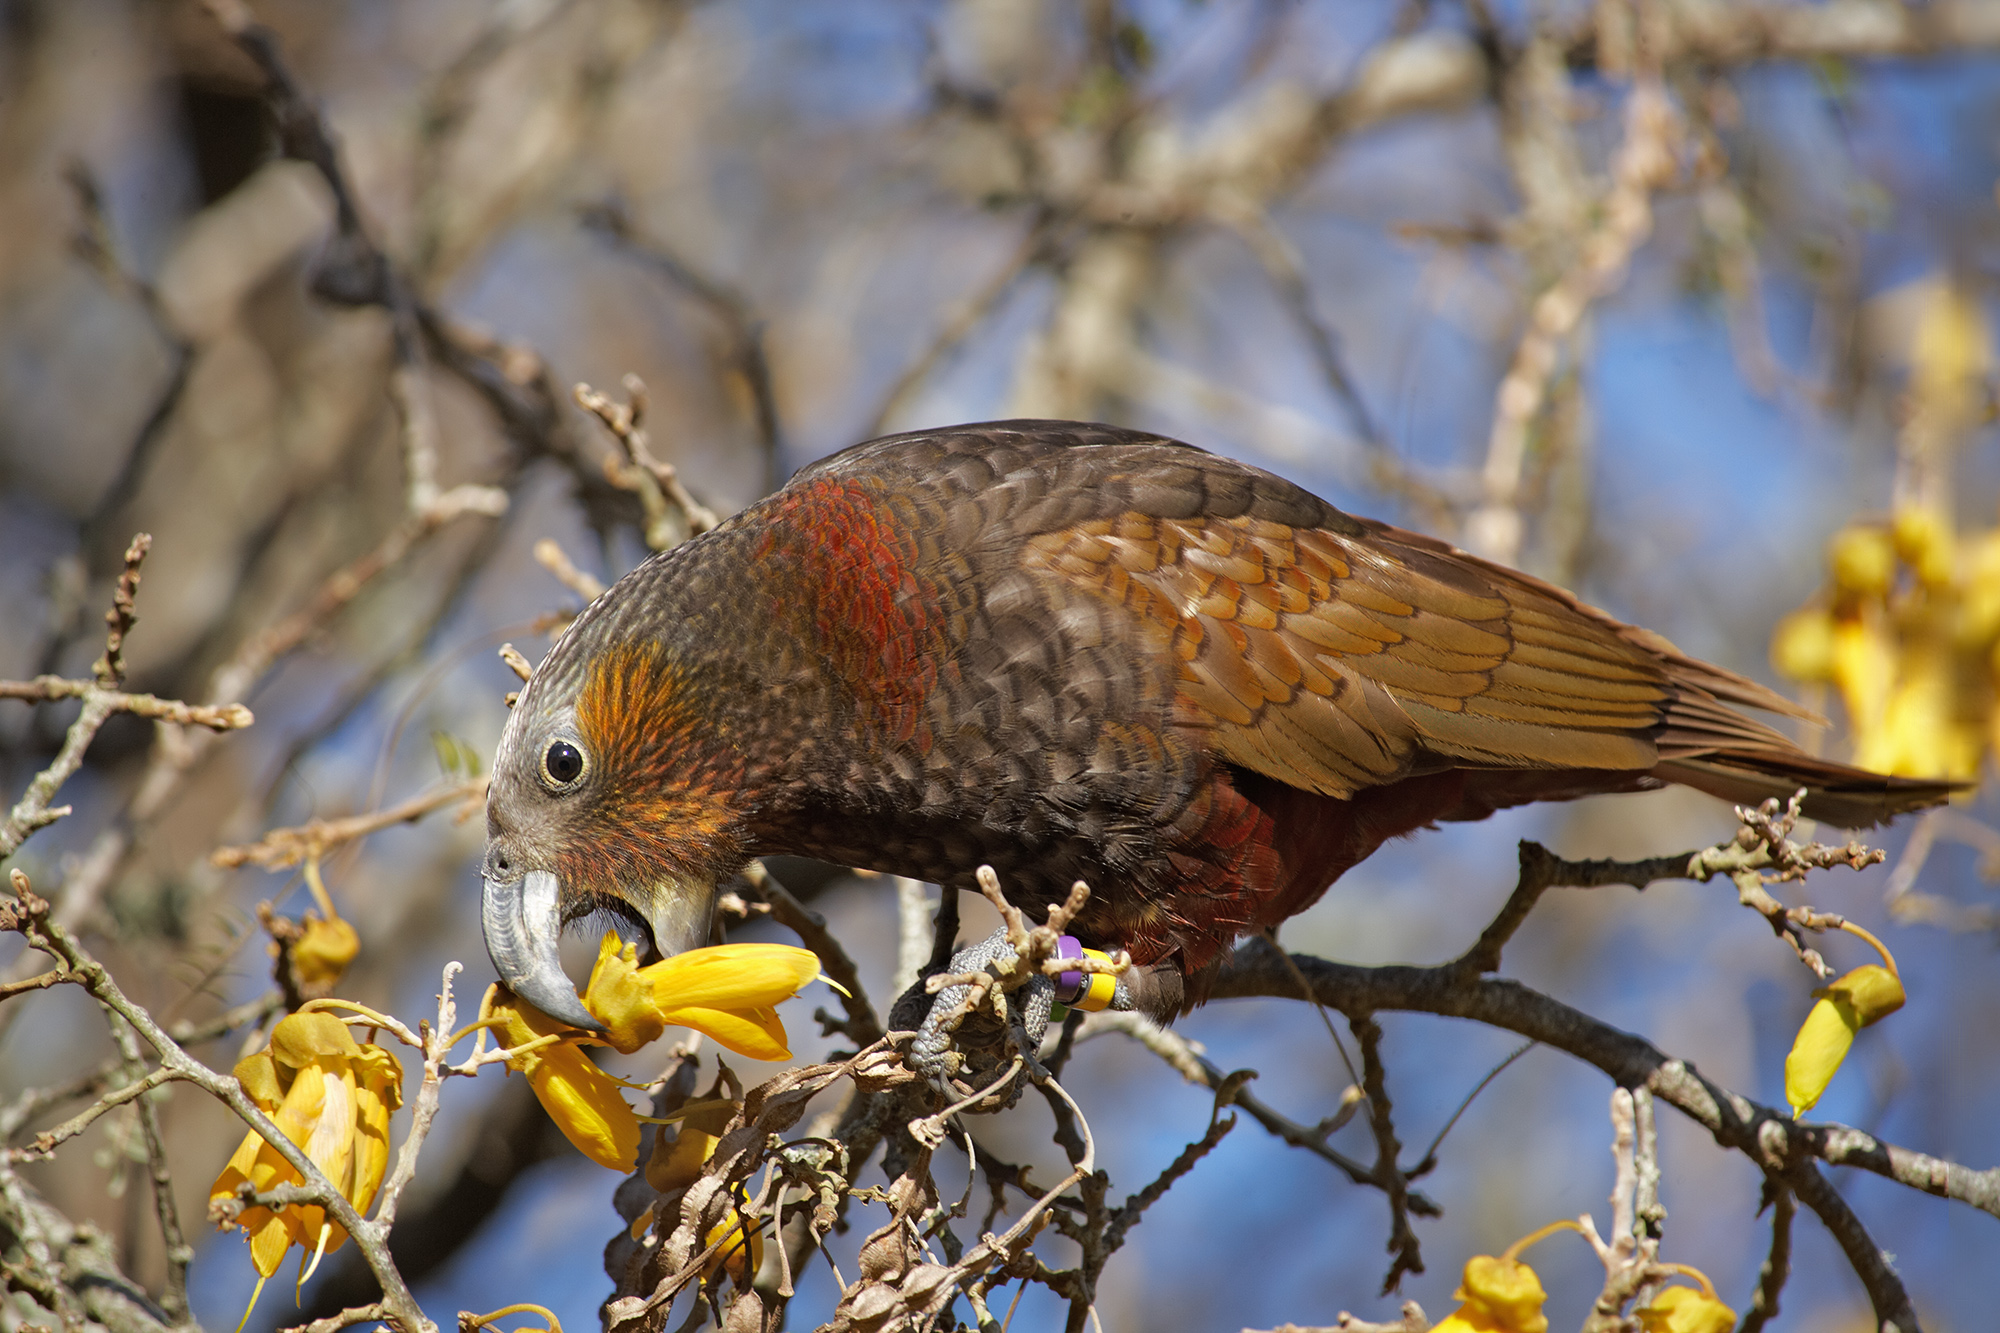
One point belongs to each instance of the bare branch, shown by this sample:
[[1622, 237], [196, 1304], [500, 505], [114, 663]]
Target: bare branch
[[553, 558], [1188, 1061], [1645, 162], [658, 484], [290, 846], [1768, 1136], [1403, 1245]]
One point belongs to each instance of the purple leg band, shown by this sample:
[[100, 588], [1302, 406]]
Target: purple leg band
[[1070, 985]]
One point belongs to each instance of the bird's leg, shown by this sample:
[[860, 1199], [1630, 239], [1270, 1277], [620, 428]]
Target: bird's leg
[[968, 980], [992, 963], [1039, 968]]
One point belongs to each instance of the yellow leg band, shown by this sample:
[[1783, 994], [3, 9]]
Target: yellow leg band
[[1101, 985]]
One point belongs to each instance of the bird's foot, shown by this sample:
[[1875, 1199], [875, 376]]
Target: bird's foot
[[990, 1010], [979, 1021]]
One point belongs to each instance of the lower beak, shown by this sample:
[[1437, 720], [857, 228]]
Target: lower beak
[[522, 919]]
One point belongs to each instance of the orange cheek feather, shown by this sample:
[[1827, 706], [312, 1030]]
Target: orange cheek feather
[[660, 798]]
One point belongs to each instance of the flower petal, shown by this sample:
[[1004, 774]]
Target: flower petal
[[1685, 1310], [587, 1106], [321, 954], [1817, 1052], [620, 998], [312, 1037], [1873, 991], [261, 1080], [583, 1100], [1503, 1295], [758, 1034], [731, 976]]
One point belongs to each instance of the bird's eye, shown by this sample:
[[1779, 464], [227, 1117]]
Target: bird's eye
[[562, 765]]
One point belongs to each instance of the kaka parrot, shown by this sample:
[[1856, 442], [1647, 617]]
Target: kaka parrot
[[1077, 652]]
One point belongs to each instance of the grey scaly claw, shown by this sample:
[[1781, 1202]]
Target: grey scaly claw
[[932, 1053]]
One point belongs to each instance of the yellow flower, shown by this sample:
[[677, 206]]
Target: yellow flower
[[1501, 1295], [1863, 560], [1852, 1002], [585, 1102], [1866, 994], [332, 1097], [1802, 646], [323, 951], [727, 992], [741, 1257], [1685, 1310]]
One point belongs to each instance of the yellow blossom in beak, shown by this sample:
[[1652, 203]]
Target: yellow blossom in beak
[[728, 991], [1501, 1294], [1685, 1310], [1861, 997], [585, 1102], [332, 1097]]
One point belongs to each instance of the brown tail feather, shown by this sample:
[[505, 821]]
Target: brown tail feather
[[1840, 794], [1707, 745]]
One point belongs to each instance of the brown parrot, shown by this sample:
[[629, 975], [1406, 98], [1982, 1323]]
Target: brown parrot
[[1077, 652]]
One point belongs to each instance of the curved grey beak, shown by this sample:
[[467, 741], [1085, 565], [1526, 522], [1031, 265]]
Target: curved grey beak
[[522, 919]]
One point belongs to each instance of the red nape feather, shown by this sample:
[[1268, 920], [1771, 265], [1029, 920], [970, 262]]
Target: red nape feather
[[878, 622]]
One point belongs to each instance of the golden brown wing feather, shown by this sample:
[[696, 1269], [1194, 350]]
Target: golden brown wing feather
[[1338, 663]]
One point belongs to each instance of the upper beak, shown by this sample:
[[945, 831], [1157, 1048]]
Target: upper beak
[[523, 924]]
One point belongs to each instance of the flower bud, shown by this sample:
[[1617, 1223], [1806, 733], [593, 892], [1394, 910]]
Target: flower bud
[[321, 954], [1863, 559], [1865, 995], [1500, 1295], [1685, 1310]]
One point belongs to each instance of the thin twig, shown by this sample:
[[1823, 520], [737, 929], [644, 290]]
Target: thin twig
[[1403, 1244], [672, 512], [1188, 1061], [1777, 1265], [1645, 161], [179, 1254], [284, 847], [730, 307], [50, 689]]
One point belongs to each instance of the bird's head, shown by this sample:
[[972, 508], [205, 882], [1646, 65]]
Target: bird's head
[[610, 797]]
